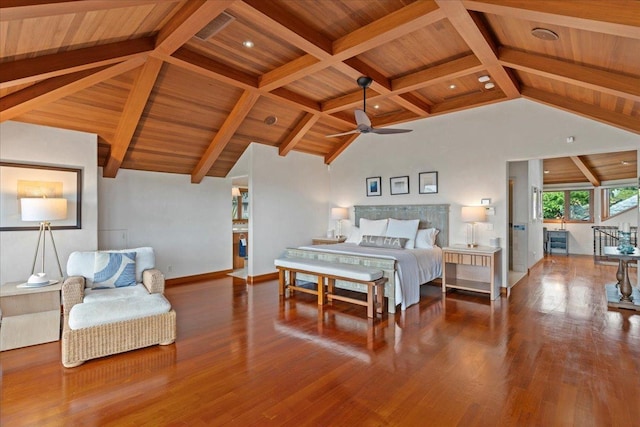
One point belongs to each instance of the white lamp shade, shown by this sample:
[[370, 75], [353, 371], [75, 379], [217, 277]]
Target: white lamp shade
[[43, 209], [474, 214], [235, 191], [339, 213]]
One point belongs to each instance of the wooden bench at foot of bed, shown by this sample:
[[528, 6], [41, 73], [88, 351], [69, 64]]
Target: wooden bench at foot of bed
[[370, 277]]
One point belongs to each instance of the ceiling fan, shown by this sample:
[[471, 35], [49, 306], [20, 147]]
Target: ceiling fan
[[362, 120]]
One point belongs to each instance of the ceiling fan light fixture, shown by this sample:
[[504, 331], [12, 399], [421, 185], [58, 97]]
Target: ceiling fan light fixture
[[544, 34]]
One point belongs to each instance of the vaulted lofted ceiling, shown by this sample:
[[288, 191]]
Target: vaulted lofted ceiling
[[593, 169], [169, 85]]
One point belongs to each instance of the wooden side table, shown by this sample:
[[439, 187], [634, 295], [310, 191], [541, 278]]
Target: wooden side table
[[328, 240], [29, 315], [481, 267]]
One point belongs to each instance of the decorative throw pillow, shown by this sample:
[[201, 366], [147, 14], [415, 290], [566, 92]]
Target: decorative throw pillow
[[373, 227], [383, 242], [403, 228], [355, 236], [114, 270], [426, 239]]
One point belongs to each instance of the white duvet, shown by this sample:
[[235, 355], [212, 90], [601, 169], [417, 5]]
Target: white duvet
[[414, 266]]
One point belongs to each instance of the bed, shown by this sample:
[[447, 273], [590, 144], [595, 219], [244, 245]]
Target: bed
[[405, 269]]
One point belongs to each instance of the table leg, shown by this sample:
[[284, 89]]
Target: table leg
[[620, 273], [625, 285]]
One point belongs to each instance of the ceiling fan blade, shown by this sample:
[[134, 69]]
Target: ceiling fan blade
[[343, 133], [387, 131], [362, 118]]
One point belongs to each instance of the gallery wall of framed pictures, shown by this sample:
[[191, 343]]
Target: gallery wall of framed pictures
[[427, 184]]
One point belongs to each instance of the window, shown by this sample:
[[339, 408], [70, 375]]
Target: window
[[570, 205], [617, 200], [240, 206]]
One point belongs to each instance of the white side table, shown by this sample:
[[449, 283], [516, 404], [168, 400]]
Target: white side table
[[29, 315]]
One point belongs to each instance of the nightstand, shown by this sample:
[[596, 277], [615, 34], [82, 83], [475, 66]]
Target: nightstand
[[472, 269], [29, 315], [328, 240]]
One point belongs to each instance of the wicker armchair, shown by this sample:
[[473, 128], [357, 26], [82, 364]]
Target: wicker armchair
[[131, 327]]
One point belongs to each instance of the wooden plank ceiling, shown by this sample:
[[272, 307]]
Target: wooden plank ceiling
[[593, 169], [163, 98]]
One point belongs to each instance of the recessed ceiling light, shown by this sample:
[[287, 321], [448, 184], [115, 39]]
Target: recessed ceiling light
[[376, 106], [247, 43], [270, 120], [452, 86], [489, 85], [546, 171], [484, 79], [625, 163], [544, 34]]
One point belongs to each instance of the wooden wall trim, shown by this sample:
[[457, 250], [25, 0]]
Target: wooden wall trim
[[197, 278]]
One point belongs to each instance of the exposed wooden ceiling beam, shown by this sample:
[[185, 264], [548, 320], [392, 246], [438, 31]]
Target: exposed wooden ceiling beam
[[51, 90], [586, 171], [190, 19], [477, 38], [199, 64], [131, 114], [628, 123], [298, 133], [619, 18], [12, 10], [382, 85], [225, 133], [329, 158], [290, 28], [390, 27], [57, 64], [437, 74], [621, 85]]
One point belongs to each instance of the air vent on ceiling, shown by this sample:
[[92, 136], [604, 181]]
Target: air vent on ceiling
[[215, 26]]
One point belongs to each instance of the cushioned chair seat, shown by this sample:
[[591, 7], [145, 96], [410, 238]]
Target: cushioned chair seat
[[97, 313], [349, 271]]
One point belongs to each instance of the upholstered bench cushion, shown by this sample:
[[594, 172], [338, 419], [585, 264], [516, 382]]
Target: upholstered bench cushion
[[90, 314], [347, 271], [93, 295]]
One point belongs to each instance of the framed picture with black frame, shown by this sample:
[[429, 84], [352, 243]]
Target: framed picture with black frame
[[19, 180], [399, 185], [428, 182], [374, 186]]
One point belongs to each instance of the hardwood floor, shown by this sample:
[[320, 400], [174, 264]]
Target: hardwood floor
[[553, 354]]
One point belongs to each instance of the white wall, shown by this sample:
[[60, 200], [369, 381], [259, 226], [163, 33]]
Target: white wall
[[535, 233], [470, 150], [25, 143], [288, 204], [188, 225]]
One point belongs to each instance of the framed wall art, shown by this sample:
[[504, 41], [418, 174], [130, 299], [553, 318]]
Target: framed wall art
[[18, 180], [428, 182], [374, 186], [399, 185]]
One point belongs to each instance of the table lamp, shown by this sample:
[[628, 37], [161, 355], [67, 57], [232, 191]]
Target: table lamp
[[44, 210], [338, 214], [472, 215]]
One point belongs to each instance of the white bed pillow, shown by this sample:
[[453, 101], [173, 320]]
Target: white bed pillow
[[355, 236], [403, 228], [426, 238], [377, 227]]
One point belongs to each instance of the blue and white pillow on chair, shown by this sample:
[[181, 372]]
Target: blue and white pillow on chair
[[114, 270]]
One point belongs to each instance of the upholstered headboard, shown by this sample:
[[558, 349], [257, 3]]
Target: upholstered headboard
[[436, 216]]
